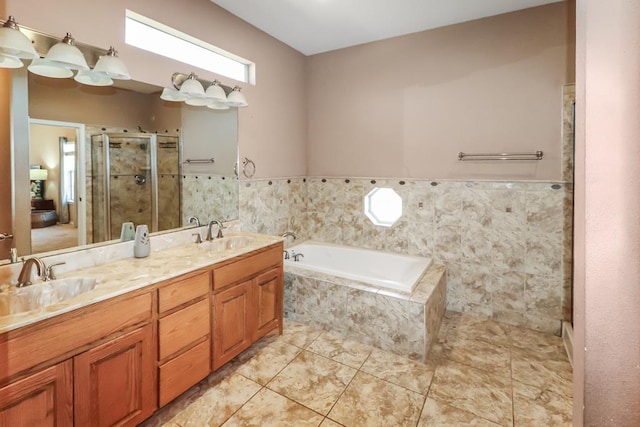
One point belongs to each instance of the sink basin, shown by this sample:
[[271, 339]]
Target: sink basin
[[40, 295], [222, 244]]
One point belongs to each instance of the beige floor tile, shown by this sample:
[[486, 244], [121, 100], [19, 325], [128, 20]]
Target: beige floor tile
[[265, 365], [438, 414], [461, 348], [341, 350], [543, 370], [330, 423], [269, 409], [480, 328], [535, 407], [369, 401], [400, 371], [298, 334], [313, 380], [216, 405], [479, 392], [536, 341]]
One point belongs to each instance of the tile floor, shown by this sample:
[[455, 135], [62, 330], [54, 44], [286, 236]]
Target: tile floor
[[479, 373]]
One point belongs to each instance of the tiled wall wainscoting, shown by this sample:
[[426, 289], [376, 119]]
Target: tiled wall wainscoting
[[405, 324], [209, 196], [506, 245]]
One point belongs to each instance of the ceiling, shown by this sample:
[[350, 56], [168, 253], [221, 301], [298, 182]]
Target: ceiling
[[315, 26]]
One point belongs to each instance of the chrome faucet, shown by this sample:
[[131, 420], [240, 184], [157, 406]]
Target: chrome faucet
[[220, 227], [193, 220], [289, 234], [296, 257], [24, 278]]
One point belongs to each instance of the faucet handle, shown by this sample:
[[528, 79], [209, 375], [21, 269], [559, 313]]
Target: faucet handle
[[198, 237], [49, 274], [220, 227]]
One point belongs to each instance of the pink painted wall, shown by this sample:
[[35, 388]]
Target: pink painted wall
[[272, 130], [607, 226], [404, 107]]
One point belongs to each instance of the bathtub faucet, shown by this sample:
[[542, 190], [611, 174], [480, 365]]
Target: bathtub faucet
[[296, 257], [289, 234], [286, 254]]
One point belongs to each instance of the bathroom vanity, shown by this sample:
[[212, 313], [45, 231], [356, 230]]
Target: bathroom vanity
[[143, 336]]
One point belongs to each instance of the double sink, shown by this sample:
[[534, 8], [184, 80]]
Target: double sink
[[14, 300]]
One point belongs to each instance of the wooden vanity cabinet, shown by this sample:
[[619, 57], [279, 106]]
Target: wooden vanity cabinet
[[41, 399], [184, 334], [114, 382], [247, 302]]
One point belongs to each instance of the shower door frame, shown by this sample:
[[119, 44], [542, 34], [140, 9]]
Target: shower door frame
[[106, 177]]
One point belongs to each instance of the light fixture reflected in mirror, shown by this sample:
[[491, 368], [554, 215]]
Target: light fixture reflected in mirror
[[190, 89], [14, 45], [93, 78]]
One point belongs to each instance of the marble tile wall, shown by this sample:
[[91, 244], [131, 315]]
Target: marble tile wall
[[209, 197], [273, 206], [506, 245]]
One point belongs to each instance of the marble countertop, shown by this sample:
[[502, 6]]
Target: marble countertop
[[130, 274]]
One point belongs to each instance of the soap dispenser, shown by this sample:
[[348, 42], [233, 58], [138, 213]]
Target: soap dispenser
[[142, 243]]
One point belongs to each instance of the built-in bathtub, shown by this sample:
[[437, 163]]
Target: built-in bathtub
[[351, 292], [382, 269]]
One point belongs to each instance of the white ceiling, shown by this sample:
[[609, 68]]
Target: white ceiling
[[315, 26]]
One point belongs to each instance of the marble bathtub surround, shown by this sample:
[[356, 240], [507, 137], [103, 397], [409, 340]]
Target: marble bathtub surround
[[403, 323], [313, 387], [506, 245]]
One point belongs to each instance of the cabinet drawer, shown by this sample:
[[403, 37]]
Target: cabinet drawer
[[183, 327], [178, 374], [182, 290], [247, 267], [89, 325]]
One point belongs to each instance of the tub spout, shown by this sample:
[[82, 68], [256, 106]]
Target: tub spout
[[296, 257], [289, 234]]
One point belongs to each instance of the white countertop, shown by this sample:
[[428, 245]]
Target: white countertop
[[130, 274]]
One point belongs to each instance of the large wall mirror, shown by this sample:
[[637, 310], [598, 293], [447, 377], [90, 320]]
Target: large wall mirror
[[100, 157]]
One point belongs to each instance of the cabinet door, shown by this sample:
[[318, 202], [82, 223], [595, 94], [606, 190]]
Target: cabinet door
[[41, 399], [114, 383], [267, 289], [232, 331]]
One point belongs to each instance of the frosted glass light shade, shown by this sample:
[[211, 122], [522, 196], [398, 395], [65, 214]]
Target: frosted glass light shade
[[46, 68], [217, 106], [196, 101], [66, 54], [9, 61], [112, 66], [14, 43], [192, 87], [215, 92], [93, 78], [171, 94], [236, 98]]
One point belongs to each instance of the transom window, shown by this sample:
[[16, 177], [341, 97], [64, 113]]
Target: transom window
[[153, 36]]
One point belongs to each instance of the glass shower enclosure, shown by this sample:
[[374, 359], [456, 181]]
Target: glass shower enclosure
[[135, 177]]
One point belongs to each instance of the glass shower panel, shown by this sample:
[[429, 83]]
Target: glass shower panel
[[130, 182], [168, 182], [96, 230]]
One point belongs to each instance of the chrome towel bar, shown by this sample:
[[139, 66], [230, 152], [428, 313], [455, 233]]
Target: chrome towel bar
[[189, 161], [500, 156]]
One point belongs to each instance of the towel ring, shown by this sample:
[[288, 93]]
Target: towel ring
[[248, 167]]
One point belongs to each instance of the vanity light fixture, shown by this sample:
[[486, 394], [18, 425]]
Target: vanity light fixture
[[14, 45], [236, 98], [63, 55], [190, 89]]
